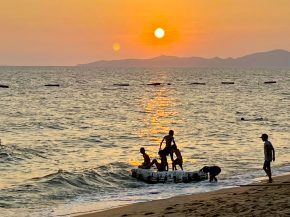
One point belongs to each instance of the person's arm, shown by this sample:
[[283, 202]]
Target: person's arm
[[161, 142], [173, 141], [273, 153]]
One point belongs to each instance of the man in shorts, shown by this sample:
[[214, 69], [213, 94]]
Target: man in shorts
[[269, 155], [169, 140]]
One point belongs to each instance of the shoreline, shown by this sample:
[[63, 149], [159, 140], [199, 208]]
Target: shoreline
[[256, 199]]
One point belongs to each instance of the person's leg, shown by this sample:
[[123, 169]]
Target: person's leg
[[267, 169], [210, 178], [171, 155], [151, 164], [173, 165], [270, 173], [181, 166], [214, 174]]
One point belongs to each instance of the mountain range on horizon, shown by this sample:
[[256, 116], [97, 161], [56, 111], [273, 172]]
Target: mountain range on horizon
[[270, 59]]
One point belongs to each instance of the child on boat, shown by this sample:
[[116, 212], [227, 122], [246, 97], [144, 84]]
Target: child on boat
[[178, 160], [147, 160], [213, 172], [163, 165]]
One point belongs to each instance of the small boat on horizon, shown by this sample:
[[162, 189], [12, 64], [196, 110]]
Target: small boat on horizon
[[4, 86], [270, 82], [52, 85]]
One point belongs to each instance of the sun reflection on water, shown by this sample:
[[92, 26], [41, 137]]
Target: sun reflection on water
[[159, 109]]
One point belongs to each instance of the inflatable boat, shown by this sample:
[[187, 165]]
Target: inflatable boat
[[151, 176]]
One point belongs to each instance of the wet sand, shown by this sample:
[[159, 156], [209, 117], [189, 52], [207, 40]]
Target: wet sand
[[259, 199]]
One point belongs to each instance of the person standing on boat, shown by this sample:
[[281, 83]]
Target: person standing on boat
[[269, 155], [178, 160], [169, 140]]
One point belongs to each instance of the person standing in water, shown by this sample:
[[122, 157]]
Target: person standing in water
[[169, 140], [269, 156]]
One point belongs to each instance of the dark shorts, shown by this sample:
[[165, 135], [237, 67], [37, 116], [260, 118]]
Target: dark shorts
[[167, 150], [267, 164]]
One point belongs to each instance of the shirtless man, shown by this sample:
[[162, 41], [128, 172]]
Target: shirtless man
[[169, 139], [147, 161], [269, 155], [178, 160]]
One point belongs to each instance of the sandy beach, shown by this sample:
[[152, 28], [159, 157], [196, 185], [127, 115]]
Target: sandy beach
[[259, 199]]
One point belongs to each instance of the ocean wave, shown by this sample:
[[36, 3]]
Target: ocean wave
[[63, 185], [15, 153]]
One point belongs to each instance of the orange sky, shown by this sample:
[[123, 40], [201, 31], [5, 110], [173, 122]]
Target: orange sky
[[68, 32]]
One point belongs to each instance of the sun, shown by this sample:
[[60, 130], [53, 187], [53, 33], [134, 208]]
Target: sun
[[159, 33], [116, 46]]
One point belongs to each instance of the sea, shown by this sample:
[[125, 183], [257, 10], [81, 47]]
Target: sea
[[69, 149]]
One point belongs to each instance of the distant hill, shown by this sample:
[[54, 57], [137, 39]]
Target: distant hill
[[269, 59]]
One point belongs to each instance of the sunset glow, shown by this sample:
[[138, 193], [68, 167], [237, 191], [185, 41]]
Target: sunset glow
[[69, 32], [116, 46]]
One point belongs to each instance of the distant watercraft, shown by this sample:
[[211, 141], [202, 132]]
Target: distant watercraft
[[151, 176], [4, 86], [270, 82], [52, 85], [228, 82], [122, 85], [154, 84], [197, 83]]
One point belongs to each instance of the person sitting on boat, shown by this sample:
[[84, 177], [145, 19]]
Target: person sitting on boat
[[163, 165], [213, 172], [178, 160], [146, 157], [169, 139]]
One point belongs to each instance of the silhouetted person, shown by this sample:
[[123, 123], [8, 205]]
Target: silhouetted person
[[147, 161], [169, 140], [213, 172], [178, 160], [269, 153], [163, 165]]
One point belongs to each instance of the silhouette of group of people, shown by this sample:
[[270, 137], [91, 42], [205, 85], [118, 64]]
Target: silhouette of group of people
[[171, 149]]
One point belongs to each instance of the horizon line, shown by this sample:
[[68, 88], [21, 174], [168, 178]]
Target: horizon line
[[148, 58]]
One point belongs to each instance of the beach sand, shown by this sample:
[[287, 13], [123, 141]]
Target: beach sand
[[259, 199]]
